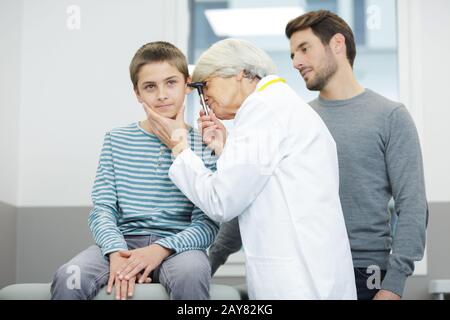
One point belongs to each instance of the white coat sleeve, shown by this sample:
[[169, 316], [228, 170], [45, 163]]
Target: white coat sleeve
[[250, 156]]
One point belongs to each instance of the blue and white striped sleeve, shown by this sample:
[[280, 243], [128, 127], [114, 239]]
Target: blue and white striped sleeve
[[202, 231], [198, 236], [104, 215]]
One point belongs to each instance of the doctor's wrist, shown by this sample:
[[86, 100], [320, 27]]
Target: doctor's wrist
[[179, 148]]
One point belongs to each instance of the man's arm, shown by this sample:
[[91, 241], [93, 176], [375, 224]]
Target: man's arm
[[227, 242], [405, 169]]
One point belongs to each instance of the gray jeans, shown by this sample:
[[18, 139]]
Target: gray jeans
[[186, 276], [228, 241]]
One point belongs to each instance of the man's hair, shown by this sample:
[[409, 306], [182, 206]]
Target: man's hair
[[324, 24], [158, 51]]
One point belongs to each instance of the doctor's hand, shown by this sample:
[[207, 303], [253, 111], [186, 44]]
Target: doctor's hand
[[214, 133], [172, 132], [143, 260]]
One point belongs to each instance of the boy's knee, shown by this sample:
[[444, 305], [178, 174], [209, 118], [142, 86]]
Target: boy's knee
[[197, 269], [191, 279], [70, 282], [59, 288]]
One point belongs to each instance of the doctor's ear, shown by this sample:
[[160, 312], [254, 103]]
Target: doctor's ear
[[241, 75], [244, 74]]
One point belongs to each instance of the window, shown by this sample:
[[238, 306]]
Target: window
[[374, 23]]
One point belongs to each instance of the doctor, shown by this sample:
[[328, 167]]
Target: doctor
[[278, 171]]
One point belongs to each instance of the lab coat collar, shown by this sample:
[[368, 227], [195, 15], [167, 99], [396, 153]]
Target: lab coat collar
[[261, 83], [264, 80]]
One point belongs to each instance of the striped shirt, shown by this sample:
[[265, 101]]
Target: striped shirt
[[133, 194]]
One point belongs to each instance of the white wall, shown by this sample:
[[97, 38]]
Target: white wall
[[75, 86], [10, 35], [436, 101], [424, 84]]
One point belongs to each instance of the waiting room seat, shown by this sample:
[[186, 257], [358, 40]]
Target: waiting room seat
[[149, 291]]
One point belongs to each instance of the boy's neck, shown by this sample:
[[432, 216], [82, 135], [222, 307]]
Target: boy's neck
[[144, 124]]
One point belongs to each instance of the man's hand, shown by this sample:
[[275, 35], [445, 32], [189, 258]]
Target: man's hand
[[213, 131], [122, 287], [171, 132], [144, 259], [386, 295]]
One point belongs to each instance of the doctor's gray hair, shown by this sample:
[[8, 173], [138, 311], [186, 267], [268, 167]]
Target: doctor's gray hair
[[228, 57]]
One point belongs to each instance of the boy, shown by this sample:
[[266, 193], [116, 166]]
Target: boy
[[145, 229]]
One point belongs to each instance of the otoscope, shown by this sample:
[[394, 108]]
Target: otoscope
[[199, 86]]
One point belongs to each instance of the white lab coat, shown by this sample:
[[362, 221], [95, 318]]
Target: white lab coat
[[279, 173]]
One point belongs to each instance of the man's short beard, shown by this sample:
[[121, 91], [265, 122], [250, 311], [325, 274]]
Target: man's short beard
[[323, 77]]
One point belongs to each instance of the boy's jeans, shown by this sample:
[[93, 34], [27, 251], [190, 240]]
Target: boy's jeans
[[186, 276]]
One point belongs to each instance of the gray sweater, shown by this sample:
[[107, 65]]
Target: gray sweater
[[379, 158]]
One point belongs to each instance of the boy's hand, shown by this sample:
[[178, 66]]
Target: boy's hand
[[213, 131], [122, 288], [147, 259], [171, 132]]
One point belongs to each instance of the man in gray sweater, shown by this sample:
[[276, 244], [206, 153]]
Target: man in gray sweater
[[379, 158]]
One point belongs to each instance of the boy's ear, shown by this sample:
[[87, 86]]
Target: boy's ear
[[138, 96], [188, 89]]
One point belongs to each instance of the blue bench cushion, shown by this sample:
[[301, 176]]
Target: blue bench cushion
[[150, 291]]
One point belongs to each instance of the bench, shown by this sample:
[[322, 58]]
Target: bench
[[149, 291]]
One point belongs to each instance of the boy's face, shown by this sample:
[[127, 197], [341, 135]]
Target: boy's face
[[162, 87]]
